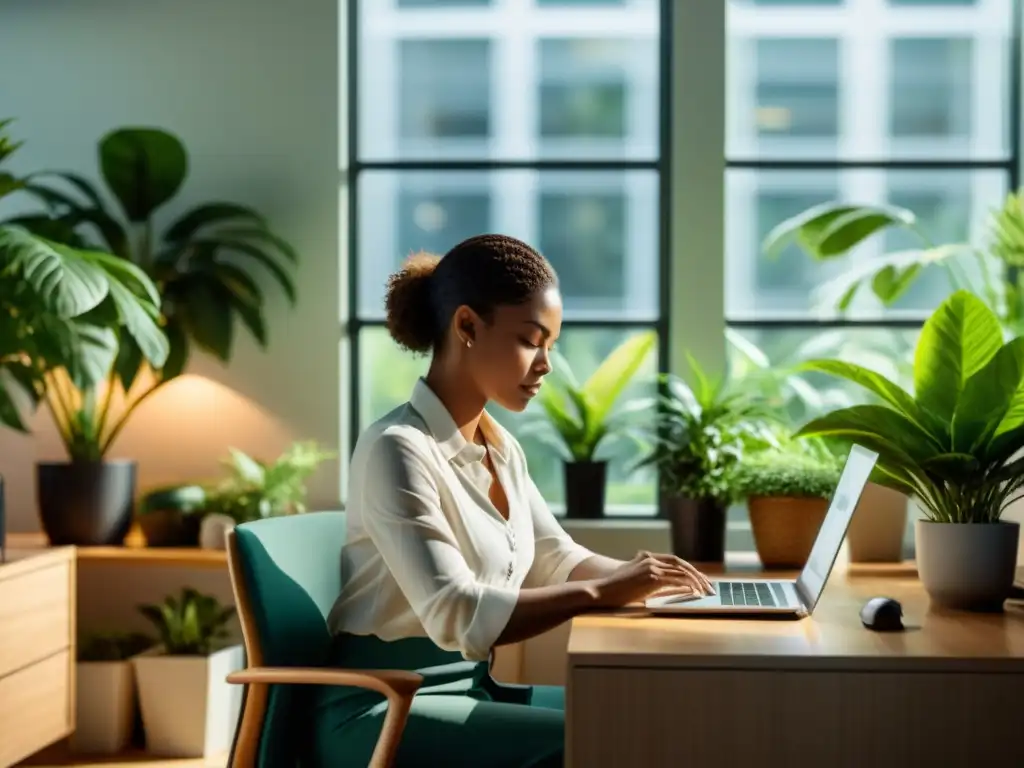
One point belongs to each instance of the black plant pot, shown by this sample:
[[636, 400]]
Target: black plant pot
[[584, 489], [86, 503], [170, 528], [698, 528]]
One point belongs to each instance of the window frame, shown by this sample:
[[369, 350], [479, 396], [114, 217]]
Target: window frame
[[354, 322]]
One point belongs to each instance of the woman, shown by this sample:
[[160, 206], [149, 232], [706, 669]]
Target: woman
[[451, 550]]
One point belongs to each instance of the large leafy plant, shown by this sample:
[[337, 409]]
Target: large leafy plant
[[953, 443], [831, 230], [583, 415], [64, 312], [202, 261], [189, 624], [700, 434]]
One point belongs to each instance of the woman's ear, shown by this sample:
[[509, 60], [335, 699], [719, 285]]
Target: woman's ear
[[465, 322]]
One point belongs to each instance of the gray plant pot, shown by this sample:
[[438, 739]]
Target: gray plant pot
[[967, 566]]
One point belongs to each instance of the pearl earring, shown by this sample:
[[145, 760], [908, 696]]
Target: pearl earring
[[469, 343]]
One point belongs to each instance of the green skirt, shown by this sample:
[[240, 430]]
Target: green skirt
[[460, 717]]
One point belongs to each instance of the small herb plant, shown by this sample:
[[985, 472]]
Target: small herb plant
[[113, 646], [581, 415], [784, 474], [255, 490], [190, 624]]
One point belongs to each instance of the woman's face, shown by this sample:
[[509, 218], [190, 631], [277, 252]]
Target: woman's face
[[510, 355]]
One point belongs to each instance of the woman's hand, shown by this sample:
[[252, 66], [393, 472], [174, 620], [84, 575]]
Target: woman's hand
[[646, 574]]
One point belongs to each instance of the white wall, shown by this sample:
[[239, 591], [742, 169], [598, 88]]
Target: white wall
[[251, 86]]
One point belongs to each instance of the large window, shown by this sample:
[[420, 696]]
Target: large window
[[535, 118], [871, 101]]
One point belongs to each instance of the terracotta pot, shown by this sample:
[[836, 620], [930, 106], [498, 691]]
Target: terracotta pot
[[785, 528]]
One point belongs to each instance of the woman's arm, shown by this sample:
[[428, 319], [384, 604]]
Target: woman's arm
[[595, 567]]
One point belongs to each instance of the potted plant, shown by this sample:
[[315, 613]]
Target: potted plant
[[65, 316], [698, 436], [582, 418], [952, 446], [170, 516], [188, 707], [787, 493], [105, 691]]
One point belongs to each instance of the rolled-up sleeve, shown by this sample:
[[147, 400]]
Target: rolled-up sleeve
[[555, 552], [402, 516]]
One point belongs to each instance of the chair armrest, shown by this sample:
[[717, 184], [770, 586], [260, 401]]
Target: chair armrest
[[385, 681]]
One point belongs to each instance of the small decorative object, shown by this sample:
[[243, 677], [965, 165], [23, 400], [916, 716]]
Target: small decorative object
[[171, 516], [787, 493], [188, 708], [698, 437], [581, 419], [213, 531], [71, 315], [254, 489], [105, 691], [953, 446]]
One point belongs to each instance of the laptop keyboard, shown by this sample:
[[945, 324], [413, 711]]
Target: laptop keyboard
[[768, 595]]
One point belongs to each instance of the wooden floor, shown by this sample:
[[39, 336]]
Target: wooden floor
[[60, 757]]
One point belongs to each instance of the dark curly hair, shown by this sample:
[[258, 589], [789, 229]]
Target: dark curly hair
[[482, 273]]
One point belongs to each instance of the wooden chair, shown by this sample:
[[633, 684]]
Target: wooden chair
[[286, 575]]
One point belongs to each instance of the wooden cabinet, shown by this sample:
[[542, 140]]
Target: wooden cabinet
[[37, 651]]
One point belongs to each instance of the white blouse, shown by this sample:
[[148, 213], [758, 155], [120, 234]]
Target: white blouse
[[427, 553]]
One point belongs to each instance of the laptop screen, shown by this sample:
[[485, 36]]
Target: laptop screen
[[851, 484]]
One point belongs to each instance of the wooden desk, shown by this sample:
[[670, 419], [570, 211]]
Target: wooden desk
[[37, 651], [823, 691]]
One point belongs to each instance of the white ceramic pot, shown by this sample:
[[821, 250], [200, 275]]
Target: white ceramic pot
[[213, 531], [188, 707], [967, 566], [878, 526], [104, 706]]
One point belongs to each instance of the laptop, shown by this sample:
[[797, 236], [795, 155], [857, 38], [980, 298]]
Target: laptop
[[785, 598]]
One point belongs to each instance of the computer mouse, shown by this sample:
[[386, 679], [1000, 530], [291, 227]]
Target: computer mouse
[[882, 614]]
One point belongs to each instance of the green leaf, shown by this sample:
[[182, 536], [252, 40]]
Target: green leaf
[[246, 467], [9, 183], [960, 337], [144, 168], [65, 282], [831, 229], [207, 316], [9, 415], [128, 362], [253, 252], [245, 297], [177, 357], [900, 437], [206, 215], [605, 385], [141, 324], [262, 235], [884, 388], [890, 283], [851, 228], [89, 354], [987, 397]]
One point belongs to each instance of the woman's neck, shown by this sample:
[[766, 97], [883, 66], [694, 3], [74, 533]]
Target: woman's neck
[[464, 404]]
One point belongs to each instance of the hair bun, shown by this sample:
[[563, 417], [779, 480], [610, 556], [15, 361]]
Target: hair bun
[[407, 302]]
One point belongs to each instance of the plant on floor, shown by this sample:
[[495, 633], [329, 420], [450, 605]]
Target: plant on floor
[[255, 489], [579, 418], [201, 263], [189, 624], [832, 230], [953, 444]]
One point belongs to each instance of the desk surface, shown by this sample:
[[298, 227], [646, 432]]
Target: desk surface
[[832, 638]]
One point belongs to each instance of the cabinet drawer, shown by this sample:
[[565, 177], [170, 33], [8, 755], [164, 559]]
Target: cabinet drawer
[[35, 615], [35, 707]]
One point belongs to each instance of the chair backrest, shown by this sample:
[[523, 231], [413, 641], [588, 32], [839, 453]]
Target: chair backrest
[[287, 576]]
